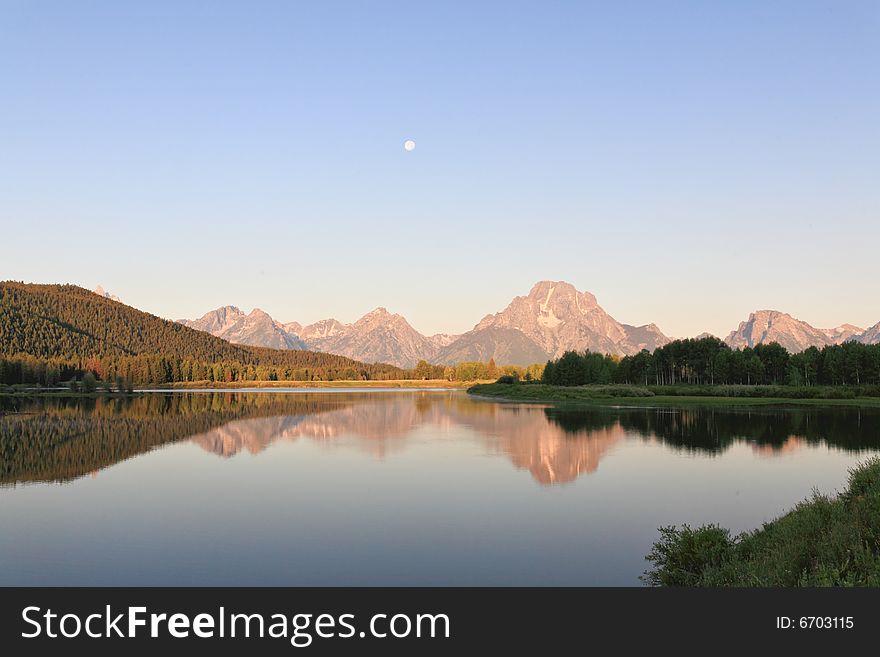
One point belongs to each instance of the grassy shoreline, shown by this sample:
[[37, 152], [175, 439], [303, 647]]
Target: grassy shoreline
[[624, 395], [823, 541]]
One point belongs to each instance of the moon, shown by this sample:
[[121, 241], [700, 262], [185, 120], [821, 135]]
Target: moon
[[409, 145]]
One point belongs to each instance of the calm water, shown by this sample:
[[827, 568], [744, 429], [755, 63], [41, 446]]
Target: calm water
[[388, 488]]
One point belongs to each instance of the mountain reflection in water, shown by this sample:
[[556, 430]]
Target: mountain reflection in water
[[60, 439]]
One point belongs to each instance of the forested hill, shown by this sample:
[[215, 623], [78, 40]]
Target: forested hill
[[69, 323]]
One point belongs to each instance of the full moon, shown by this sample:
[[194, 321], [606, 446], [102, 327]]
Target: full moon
[[409, 145]]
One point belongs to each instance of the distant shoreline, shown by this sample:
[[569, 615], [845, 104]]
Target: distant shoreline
[[405, 384], [623, 395], [401, 383]]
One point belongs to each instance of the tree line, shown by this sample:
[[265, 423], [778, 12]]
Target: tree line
[[475, 371], [124, 373], [709, 361]]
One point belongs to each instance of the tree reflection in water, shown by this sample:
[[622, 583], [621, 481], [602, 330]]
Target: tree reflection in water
[[60, 439]]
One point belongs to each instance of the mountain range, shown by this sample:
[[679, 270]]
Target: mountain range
[[552, 318]]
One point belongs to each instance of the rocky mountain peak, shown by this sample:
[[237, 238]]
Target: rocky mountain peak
[[378, 336], [101, 292], [553, 318], [324, 328], [561, 294], [844, 332], [765, 326], [256, 328], [224, 312], [871, 336], [215, 321], [379, 314]]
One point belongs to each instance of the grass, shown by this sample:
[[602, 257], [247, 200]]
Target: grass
[[605, 395], [773, 391], [823, 541]]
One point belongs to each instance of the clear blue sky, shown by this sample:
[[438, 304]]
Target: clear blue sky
[[687, 162]]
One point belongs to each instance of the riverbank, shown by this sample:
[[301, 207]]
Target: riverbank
[[626, 395], [823, 541], [403, 384]]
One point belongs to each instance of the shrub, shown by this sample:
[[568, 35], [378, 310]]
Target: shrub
[[621, 390], [89, 383], [682, 557]]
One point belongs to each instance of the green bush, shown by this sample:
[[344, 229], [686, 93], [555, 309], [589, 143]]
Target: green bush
[[89, 382], [686, 555], [617, 391]]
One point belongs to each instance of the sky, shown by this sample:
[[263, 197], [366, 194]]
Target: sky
[[686, 162]]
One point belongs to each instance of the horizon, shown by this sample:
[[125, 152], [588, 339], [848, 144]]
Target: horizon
[[247, 310], [687, 166]]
